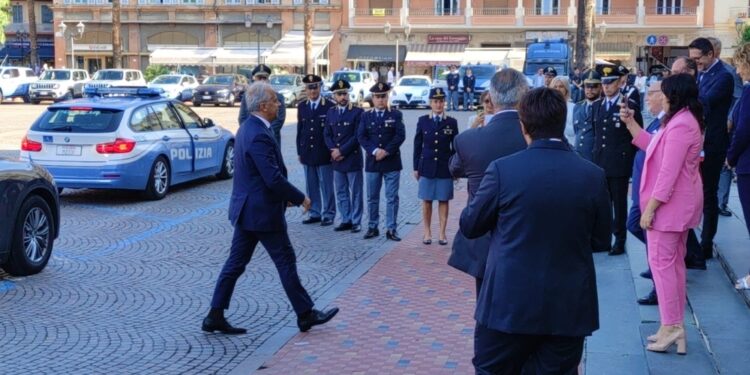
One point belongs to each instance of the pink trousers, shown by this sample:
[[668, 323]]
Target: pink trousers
[[666, 256]]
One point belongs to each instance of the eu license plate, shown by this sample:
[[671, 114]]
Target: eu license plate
[[206, 97], [69, 150], [45, 93]]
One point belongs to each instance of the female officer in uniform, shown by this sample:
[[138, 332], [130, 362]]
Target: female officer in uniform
[[433, 148]]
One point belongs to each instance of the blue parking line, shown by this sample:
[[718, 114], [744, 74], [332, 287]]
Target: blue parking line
[[161, 227], [6, 286]]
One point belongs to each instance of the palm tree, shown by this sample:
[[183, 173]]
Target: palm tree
[[583, 33], [116, 40], [34, 56]]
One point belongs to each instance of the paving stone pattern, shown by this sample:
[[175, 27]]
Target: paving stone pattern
[[130, 281]]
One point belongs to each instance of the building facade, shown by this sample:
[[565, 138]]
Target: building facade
[[17, 48]]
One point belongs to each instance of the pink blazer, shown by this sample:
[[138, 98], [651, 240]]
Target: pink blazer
[[671, 174]]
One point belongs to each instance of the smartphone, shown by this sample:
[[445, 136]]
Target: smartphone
[[480, 109]]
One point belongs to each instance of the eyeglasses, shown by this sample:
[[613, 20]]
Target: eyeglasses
[[340, 93], [486, 101], [313, 86], [379, 96]]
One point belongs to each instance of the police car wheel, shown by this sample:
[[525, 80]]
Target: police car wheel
[[230, 100], [227, 165], [158, 180], [33, 237], [26, 99], [34, 101], [196, 104]]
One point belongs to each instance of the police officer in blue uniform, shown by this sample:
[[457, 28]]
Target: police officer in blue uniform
[[433, 148], [613, 150], [628, 86], [313, 153], [381, 133], [452, 80], [469, 81], [342, 123], [260, 74], [549, 74], [583, 123]]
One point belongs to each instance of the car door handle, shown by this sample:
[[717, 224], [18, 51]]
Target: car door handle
[[165, 138], [196, 137]]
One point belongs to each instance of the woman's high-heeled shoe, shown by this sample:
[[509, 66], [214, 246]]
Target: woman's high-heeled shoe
[[655, 336], [672, 335]]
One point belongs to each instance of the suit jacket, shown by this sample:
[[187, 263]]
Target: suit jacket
[[475, 150], [739, 152], [341, 133], [547, 209], [613, 150], [276, 124], [387, 133], [583, 126], [469, 82], [433, 145], [671, 174], [311, 146], [716, 87], [452, 81], [260, 189]]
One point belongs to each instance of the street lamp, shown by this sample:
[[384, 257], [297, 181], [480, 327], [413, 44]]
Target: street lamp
[[407, 30], [602, 30], [73, 34], [269, 26]]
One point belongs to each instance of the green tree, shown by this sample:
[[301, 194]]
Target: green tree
[[745, 34], [4, 17], [152, 71]]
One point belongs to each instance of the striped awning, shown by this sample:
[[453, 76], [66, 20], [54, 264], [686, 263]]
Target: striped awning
[[435, 54]]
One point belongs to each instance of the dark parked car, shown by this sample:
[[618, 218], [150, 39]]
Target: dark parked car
[[290, 86], [31, 217], [220, 89]]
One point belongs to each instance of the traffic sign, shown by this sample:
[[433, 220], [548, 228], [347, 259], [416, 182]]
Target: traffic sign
[[651, 40], [663, 40]]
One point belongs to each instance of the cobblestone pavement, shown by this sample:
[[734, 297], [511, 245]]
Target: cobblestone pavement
[[410, 314], [130, 280]]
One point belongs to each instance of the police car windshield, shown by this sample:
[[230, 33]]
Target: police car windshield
[[218, 80], [413, 82], [56, 75], [78, 120], [282, 80], [349, 77], [167, 80], [108, 75]]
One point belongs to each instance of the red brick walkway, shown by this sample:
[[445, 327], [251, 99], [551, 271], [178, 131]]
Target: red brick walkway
[[410, 314]]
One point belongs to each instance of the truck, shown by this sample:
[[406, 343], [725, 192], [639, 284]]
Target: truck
[[544, 53]]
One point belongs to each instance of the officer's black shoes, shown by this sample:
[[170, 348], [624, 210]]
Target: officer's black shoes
[[617, 249], [371, 233], [220, 324], [694, 264], [708, 251], [647, 274], [342, 227], [356, 228], [326, 222], [311, 220], [649, 300], [392, 235], [724, 212], [314, 318]]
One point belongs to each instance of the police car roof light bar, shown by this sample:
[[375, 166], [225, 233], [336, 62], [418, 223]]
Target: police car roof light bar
[[141, 92]]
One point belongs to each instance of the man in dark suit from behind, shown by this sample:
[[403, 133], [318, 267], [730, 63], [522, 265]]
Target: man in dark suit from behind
[[547, 209], [260, 74], [260, 195], [715, 90], [476, 149]]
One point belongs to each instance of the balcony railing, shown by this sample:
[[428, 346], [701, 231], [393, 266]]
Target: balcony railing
[[252, 2], [377, 12], [92, 2], [671, 11], [171, 2], [494, 11], [616, 11], [436, 12], [546, 12]]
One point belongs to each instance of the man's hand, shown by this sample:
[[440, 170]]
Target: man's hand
[[380, 154], [416, 175], [336, 154], [306, 204]]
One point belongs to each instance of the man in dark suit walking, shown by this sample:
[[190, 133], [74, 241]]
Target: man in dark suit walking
[[260, 74], [547, 209], [715, 89], [260, 195], [475, 150]]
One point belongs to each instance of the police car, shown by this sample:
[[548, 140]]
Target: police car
[[127, 138]]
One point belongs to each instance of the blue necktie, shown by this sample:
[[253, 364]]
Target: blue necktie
[[653, 126]]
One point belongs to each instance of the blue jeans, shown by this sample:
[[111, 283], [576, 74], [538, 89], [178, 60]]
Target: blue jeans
[[453, 100], [374, 181], [349, 196], [319, 184], [725, 184], [468, 100]]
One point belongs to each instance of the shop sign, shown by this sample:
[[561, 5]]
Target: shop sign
[[93, 47], [379, 12], [448, 38]]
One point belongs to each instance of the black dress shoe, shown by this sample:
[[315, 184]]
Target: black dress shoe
[[617, 249], [315, 317], [647, 274], [443, 242], [725, 212], [311, 220], [326, 223], [221, 325], [356, 228], [695, 265], [708, 251], [371, 233], [392, 235], [649, 300], [342, 227]]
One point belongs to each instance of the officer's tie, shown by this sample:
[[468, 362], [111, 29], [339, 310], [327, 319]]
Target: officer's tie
[[312, 106], [341, 111], [588, 110], [380, 114]]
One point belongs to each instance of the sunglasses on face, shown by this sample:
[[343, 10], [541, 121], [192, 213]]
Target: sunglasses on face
[[486, 101], [379, 96]]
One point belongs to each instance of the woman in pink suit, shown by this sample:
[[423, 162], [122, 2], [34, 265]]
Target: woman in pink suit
[[671, 199]]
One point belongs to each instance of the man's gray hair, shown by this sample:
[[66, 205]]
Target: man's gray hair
[[258, 93], [716, 43], [507, 87]]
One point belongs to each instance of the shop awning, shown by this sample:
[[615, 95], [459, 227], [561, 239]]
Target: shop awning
[[375, 53], [495, 56], [182, 56], [239, 56], [18, 50], [431, 54], [290, 50]]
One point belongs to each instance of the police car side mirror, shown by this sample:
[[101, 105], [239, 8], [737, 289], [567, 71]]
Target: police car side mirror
[[208, 123]]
